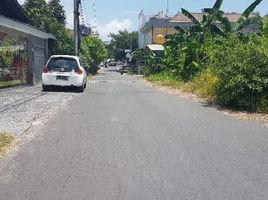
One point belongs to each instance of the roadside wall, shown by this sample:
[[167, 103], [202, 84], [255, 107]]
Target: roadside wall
[[22, 57]]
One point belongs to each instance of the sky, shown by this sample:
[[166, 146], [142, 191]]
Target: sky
[[116, 15]]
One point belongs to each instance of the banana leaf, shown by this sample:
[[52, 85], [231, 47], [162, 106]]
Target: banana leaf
[[190, 16]]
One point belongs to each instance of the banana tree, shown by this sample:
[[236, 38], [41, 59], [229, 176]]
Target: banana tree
[[246, 19], [207, 26], [214, 14], [183, 54]]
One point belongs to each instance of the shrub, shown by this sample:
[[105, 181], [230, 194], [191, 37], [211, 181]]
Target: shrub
[[204, 85], [154, 65], [242, 68]]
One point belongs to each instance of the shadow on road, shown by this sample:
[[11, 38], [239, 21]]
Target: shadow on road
[[54, 89]]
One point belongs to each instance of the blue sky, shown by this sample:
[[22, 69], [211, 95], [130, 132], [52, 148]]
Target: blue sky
[[120, 14]]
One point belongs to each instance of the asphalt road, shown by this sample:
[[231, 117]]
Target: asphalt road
[[125, 140]]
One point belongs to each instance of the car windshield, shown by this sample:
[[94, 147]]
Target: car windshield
[[62, 64]]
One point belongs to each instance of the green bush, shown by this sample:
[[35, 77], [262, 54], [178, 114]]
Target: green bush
[[153, 65], [242, 68], [204, 85]]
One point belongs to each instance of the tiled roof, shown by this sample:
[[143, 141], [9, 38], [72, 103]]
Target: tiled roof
[[232, 17]]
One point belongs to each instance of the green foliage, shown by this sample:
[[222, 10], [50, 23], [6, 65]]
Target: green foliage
[[121, 41], [154, 64], [166, 79], [64, 43], [57, 11], [93, 52], [242, 70], [51, 18], [217, 63], [38, 13], [265, 31], [265, 26], [204, 85]]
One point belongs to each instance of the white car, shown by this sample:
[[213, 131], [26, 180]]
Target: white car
[[64, 70]]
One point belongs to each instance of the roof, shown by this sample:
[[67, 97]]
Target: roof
[[25, 28], [179, 17], [164, 21], [12, 9]]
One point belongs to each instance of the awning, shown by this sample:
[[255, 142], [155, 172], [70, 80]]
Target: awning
[[25, 28], [155, 47]]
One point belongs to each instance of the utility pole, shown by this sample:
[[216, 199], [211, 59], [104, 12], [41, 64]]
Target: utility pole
[[76, 27]]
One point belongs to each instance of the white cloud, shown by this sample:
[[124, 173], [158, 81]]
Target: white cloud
[[104, 30], [113, 27]]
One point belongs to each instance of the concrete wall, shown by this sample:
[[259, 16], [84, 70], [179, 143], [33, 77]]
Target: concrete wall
[[145, 38], [163, 31]]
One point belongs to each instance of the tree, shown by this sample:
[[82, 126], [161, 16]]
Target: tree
[[207, 26], [265, 26], [186, 51], [121, 41], [57, 11], [38, 13], [245, 18], [50, 18], [265, 31], [93, 52]]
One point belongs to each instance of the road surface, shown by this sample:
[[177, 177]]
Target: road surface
[[125, 140]]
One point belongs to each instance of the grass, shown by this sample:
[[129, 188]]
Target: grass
[[7, 142], [9, 83], [165, 80], [203, 86]]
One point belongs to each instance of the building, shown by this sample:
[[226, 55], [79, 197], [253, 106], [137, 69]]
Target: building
[[161, 24], [24, 49]]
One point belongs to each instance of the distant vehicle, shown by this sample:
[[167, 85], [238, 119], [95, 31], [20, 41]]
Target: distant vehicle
[[124, 69], [101, 65], [64, 70], [112, 63]]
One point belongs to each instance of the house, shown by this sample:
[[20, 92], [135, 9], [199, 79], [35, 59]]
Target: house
[[24, 49], [161, 24]]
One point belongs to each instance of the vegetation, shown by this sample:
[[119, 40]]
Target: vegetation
[[218, 63], [50, 17], [6, 143], [120, 42], [93, 52], [243, 72], [9, 83]]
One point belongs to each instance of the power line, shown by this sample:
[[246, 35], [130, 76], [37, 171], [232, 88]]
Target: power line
[[167, 11], [84, 12], [95, 30]]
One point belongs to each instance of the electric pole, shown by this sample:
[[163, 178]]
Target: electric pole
[[76, 26]]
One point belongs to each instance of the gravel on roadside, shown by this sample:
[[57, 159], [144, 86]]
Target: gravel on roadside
[[26, 106]]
